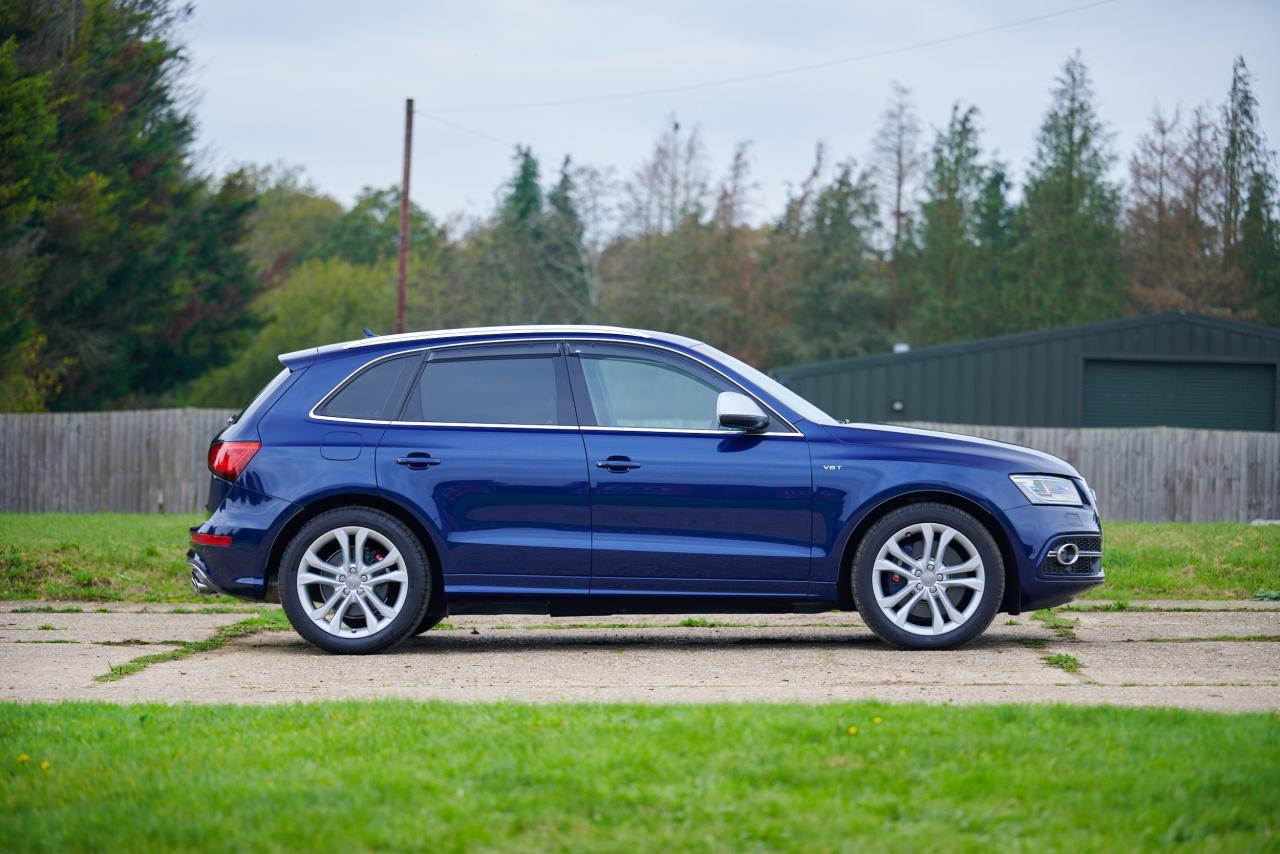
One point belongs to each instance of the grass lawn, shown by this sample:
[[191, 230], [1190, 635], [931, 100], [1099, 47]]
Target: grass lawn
[[401, 776], [108, 557], [95, 557], [1178, 560]]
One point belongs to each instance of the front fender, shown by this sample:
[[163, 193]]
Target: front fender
[[849, 493]]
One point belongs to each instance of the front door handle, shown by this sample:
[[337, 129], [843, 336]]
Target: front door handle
[[617, 464], [418, 460]]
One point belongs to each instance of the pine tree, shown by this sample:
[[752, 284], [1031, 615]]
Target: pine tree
[[120, 216], [1242, 151], [27, 132], [1260, 247], [996, 266], [567, 261], [1071, 243], [948, 294], [1248, 200], [828, 272], [530, 264]]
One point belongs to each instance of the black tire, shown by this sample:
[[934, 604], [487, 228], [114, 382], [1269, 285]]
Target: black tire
[[892, 523], [429, 621], [416, 565]]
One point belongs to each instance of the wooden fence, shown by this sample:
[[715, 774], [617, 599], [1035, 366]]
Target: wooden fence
[[145, 461], [154, 461], [1161, 474]]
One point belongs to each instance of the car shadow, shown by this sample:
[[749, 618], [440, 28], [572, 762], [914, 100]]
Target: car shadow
[[463, 641], [515, 640]]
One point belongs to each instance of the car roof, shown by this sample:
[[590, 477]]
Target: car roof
[[298, 358]]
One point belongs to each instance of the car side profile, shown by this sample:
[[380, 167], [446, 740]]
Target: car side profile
[[378, 485]]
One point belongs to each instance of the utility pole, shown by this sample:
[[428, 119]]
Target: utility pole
[[402, 250]]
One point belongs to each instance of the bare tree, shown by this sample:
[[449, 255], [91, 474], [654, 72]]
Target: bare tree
[[897, 160], [669, 187], [1174, 240], [1151, 232], [734, 200]]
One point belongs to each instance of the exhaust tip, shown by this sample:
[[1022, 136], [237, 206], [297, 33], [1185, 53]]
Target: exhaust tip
[[200, 582]]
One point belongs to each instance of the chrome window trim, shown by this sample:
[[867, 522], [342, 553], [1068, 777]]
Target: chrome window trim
[[793, 431], [587, 428]]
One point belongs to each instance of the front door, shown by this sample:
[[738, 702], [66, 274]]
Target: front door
[[488, 447], [678, 504]]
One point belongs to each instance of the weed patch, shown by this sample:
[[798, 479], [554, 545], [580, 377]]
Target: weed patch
[[266, 621], [1061, 660]]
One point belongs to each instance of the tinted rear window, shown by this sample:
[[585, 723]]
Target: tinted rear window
[[516, 390], [375, 392], [251, 411]]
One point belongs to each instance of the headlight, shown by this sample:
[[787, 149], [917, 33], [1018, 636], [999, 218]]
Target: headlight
[[1047, 490]]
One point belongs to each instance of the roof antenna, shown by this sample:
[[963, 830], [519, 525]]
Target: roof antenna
[[369, 333]]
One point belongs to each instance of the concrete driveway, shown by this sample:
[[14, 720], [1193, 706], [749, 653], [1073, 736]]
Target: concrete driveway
[[1207, 655]]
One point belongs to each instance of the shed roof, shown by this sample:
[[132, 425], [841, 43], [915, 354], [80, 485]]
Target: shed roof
[[1024, 338]]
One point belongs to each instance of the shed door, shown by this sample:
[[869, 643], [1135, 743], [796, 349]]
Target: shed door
[[1212, 395]]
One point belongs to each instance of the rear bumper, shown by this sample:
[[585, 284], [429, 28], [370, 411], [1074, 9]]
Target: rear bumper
[[253, 522]]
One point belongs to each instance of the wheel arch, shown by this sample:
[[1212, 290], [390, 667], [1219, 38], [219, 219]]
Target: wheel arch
[[1012, 584], [366, 500]]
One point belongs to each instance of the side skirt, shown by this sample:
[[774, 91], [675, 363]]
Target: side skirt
[[602, 606]]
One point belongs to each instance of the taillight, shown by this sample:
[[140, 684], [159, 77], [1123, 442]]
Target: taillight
[[228, 459]]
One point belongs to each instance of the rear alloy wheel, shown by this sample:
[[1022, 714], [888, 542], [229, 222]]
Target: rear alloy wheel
[[354, 580], [928, 576]]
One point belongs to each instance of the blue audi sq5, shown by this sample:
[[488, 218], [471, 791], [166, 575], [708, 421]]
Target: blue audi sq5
[[376, 486]]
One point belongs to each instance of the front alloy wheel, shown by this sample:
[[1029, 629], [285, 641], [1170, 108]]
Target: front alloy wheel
[[354, 580], [928, 576]]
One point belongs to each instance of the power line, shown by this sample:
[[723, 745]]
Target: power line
[[442, 121], [762, 75]]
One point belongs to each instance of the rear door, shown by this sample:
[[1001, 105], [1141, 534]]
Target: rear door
[[488, 448], [679, 504]]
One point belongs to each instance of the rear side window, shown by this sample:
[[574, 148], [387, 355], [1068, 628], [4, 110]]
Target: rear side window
[[374, 393], [496, 390]]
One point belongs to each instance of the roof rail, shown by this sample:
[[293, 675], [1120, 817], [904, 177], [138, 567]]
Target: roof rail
[[476, 331]]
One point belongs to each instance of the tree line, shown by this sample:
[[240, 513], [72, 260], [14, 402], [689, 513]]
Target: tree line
[[134, 279]]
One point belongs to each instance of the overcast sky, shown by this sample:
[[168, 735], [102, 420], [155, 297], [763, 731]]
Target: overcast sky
[[318, 85]]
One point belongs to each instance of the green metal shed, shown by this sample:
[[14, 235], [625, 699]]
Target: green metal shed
[[1175, 370]]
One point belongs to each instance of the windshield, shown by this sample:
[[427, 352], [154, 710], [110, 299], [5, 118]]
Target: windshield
[[769, 385]]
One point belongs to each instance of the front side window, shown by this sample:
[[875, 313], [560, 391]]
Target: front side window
[[503, 390], [803, 408], [374, 393], [637, 392]]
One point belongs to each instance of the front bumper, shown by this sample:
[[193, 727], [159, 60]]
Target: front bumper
[[1037, 531]]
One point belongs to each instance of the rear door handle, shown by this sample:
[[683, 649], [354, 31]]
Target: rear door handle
[[418, 460], [617, 464]]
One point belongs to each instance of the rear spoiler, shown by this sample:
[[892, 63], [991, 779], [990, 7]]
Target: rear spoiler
[[299, 358]]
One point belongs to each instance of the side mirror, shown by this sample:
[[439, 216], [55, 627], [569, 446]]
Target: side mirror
[[739, 412]]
